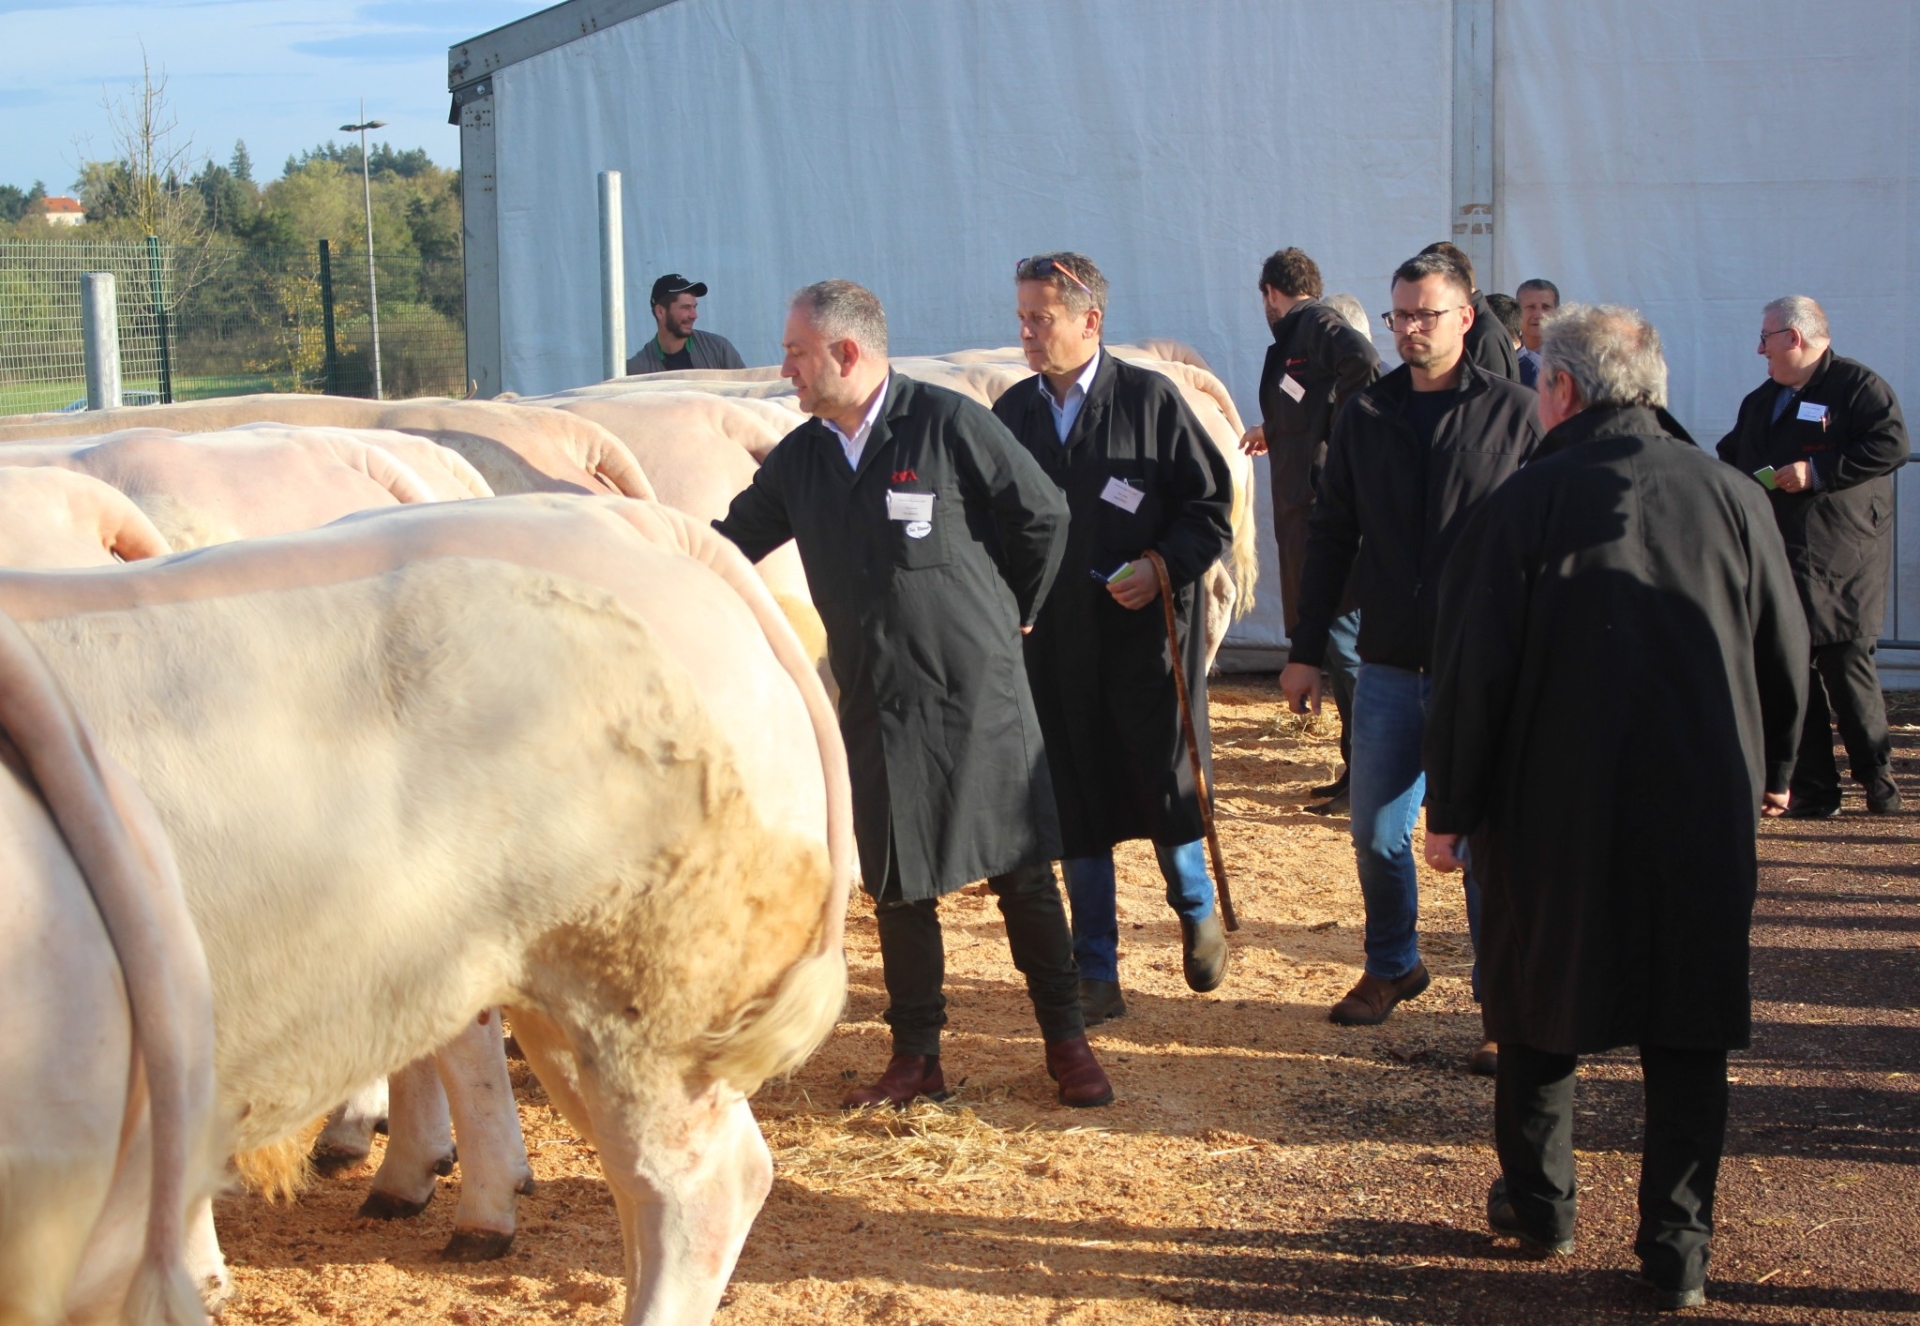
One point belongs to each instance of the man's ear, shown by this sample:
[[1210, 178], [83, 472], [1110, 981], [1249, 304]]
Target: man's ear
[[1094, 318], [1467, 308], [845, 353]]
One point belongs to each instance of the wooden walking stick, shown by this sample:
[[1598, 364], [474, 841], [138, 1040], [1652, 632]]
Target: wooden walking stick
[[1193, 742]]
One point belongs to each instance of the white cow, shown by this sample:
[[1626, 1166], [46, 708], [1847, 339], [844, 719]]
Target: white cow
[[53, 518], [107, 1132], [559, 754]]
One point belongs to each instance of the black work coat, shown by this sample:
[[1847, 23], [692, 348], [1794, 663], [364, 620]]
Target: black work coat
[[1488, 343], [1619, 674], [1102, 674], [1408, 503], [1320, 350], [1839, 537], [949, 769]]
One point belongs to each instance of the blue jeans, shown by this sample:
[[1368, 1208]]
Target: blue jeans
[[1342, 667], [1096, 923], [1389, 720]]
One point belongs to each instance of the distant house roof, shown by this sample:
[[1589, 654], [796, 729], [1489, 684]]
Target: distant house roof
[[64, 207]]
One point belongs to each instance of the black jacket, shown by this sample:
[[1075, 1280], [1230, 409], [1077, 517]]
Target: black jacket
[[923, 628], [1488, 343], [1329, 360], [1839, 536], [1102, 675], [1619, 674], [1387, 515]]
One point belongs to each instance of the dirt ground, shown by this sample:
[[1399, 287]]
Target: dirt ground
[[1259, 1164]]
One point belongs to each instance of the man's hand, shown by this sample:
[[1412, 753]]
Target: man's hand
[[1138, 589], [1254, 440], [1442, 852], [1026, 630], [1774, 804], [1794, 478], [1301, 684]]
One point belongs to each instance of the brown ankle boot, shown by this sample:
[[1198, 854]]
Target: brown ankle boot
[[907, 1076], [1083, 1083]]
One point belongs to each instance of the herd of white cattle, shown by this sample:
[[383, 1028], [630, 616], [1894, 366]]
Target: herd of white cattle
[[332, 729]]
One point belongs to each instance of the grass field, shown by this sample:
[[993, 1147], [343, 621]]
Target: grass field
[[36, 397]]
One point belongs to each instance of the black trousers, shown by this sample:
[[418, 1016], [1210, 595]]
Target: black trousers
[[913, 959], [1686, 1129], [1845, 685]]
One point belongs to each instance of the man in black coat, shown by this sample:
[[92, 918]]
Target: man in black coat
[[1617, 621], [1489, 343], [930, 539], [1410, 458], [1316, 363], [1825, 435], [1139, 473]]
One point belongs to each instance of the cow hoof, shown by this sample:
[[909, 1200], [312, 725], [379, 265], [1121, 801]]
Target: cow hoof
[[526, 1186], [476, 1245], [444, 1165], [330, 1160], [385, 1206]]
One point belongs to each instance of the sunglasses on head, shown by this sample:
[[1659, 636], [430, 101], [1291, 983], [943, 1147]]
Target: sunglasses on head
[[1045, 267]]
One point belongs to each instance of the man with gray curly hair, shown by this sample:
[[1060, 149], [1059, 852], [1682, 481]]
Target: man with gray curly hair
[[1618, 619]]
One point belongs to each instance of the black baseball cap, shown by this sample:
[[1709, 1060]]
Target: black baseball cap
[[673, 284]]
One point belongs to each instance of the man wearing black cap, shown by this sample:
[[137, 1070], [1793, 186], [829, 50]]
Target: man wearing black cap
[[676, 304]]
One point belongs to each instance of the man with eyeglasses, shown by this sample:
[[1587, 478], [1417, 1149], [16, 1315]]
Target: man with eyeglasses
[[1824, 435], [1139, 474], [1489, 344], [1410, 458]]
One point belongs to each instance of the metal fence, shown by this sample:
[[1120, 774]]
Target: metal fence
[[214, 320]]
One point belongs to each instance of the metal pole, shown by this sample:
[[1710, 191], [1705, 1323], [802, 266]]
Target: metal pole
[[100, 332], [373, 290], [157, 285], [613, 279], [330, 383]]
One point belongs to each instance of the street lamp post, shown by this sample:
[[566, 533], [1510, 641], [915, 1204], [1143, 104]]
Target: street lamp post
[[366, 188]]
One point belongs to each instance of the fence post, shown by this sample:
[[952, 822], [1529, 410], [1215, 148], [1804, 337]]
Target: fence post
[[330, 384], [156, 283], [613, 279], [100, 333]]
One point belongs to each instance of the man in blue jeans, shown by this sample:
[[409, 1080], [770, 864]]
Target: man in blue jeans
[[1409, 459]]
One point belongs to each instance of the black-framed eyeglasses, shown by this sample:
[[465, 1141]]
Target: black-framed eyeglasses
[[1045, 267], [1418, 319], [1775, 332]]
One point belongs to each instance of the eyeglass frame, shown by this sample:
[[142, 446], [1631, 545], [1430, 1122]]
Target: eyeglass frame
[[1775, 332], [1429, 317], [1052, 265]]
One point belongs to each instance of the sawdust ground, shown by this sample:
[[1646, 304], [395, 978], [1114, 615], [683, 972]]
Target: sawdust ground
[[1259, 1164]]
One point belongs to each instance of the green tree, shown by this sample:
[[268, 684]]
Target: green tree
[[241, 164], [14, 201]]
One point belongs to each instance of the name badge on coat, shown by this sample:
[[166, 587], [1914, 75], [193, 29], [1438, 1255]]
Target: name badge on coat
[[1291, 385], [914, 508], [1123, 495], [1813, 414]]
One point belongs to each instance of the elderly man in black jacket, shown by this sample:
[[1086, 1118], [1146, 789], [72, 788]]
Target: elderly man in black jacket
[[930, 539], [1139, 475], [1410, 458], [1616, 621], [1825, 435]]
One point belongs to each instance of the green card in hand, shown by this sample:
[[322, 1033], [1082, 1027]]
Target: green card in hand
[[1765, 477]]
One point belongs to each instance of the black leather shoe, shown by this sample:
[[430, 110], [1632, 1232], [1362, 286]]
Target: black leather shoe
[[1883, 797], [1203, 951], [1100, 1001], [1812, 810], [1672, 1300], [1503, 1220], [1335, 788], [1338, 804]]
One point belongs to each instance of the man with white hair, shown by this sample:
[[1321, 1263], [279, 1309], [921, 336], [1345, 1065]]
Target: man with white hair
[[930, 539], [1824, 435], [1617, 620]]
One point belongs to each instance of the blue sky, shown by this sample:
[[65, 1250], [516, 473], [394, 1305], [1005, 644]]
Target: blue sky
[[282, 74]]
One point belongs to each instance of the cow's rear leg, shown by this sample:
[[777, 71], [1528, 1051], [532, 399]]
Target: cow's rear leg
[[348, 1136], [419, 1144], [493, 1153]]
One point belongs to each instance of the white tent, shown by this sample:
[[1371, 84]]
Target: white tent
[[1693, 160]]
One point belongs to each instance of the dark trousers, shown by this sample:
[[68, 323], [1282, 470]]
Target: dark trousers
[[1845, 685], [1686, 1129], [914, 960]]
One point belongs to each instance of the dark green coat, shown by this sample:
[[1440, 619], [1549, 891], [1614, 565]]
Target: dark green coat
[[1102, 674], [923, 633]]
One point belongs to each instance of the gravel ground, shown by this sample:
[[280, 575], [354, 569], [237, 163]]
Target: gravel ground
[[1260, 1164]]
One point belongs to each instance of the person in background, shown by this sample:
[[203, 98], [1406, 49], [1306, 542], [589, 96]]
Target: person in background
[[1824, 435], [1488, 344], [1139, 474], [1538, 297], [1507, 309], [1616, 621], [675, 343]]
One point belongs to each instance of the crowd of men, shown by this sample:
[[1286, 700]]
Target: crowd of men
[[1594, 652]]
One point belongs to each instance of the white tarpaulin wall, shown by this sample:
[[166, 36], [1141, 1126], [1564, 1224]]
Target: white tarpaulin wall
[[1694, 159]]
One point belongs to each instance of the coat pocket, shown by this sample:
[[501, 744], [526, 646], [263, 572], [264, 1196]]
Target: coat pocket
[[920, 526]]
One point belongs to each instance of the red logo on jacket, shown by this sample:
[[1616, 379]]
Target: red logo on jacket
[[905, 476]]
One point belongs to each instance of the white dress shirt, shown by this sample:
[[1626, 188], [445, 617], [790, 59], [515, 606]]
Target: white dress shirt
[[856, 444], [1065, 412]]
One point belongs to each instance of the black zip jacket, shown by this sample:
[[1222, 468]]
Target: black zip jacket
[[1389, 516]]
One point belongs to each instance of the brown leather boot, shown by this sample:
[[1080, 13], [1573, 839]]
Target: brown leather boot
[[1372, 1000], [1083, 1083], [907, 1076], [1203, 951]]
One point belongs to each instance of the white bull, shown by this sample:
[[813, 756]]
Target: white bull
[[560, 754], [53, 518], [106, 1074]]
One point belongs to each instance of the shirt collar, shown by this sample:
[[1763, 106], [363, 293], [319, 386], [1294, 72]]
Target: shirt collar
[[1083, 384], [856, 444]]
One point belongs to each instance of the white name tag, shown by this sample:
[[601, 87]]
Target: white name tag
[[909, 506], [1123, 495], [1291, 387], [1812, 413]]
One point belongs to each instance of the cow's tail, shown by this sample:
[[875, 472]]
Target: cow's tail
[[776, 1033], [130, 872]]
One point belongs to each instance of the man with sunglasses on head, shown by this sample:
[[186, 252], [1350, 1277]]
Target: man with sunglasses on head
[[1410, 458], [1140, 475]]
